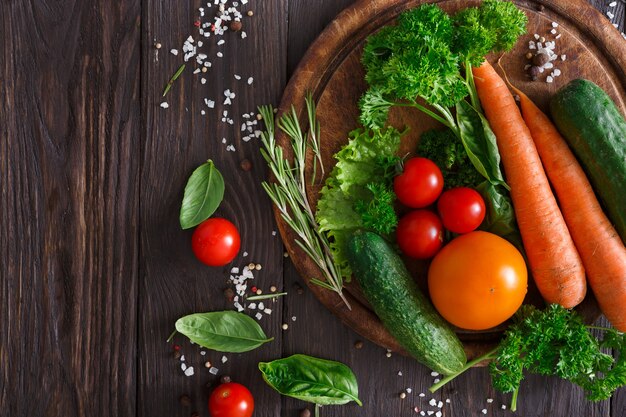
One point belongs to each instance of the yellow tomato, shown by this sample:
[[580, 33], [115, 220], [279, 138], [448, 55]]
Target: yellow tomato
[[477, 281]]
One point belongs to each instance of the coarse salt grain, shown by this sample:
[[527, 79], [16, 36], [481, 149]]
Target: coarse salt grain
[[268, 311], [213, 370], [432, 402], [503, 407], [436, 381], [438, 414], [258, 316], [563, 57], [174, 51], [440, 404], [189, 371], [434, 373], [489, 400], [610, 15], [447, 400], [165, 105], [399, 373], [250, 80], [549, 79], [555, 25], [183, 366], [224, 359], [484, 411], [409, 390], [613, 4], [293, 318], [422, 413], [430, 413], [422, 395], [182, 358], [553, 31], [203, 81]]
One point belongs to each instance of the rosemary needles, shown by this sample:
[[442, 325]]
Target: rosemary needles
[[288, 192]]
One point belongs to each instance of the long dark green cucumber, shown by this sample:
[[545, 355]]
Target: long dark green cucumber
[[404, 310]]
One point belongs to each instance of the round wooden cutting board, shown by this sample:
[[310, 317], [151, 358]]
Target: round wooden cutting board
[[332, 71]]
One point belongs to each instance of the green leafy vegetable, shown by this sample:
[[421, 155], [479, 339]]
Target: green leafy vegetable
[[224, 331], [500, 215], [479, 142], [306, 378], [369, 158], [379, 214], [554, 341], [447, 151], [203, 194]]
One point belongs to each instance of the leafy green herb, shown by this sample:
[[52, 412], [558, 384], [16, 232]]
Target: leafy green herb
[[447, 151], [288, 192], [171, 81], [224, 331], [203, 194], [500, 215], [306, 378], [368, 158], [378, 214], [479, 142], [556, 342]]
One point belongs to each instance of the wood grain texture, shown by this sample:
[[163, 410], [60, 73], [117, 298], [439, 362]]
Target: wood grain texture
[[172, 282], [68, 162]]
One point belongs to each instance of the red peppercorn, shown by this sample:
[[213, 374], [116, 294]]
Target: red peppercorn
[[176, 347], [196, 23], [254, 289]]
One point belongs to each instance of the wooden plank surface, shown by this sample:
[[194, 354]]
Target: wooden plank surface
[[69, 150], [95, 269]]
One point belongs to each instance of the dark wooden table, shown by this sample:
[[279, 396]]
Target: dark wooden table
[[94, 267]]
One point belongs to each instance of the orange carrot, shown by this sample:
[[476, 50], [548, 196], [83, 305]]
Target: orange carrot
[[600, 247], [554, 262]]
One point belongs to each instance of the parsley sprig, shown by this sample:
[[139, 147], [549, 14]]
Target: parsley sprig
[[554, 341], [425, 60]]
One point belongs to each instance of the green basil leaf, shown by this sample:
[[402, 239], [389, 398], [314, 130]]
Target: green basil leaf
[[500, 215], [479, 142], [203, 194], [310, 379], [224, 331]]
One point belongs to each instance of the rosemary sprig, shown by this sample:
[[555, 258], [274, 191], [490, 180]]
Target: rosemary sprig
[[172, 79], [265, 296], [288, 193]]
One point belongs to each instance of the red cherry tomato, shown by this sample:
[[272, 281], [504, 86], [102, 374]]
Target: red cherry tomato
[[420, 234], [215, 242], [420, 183], [461, 209], [231, 400]]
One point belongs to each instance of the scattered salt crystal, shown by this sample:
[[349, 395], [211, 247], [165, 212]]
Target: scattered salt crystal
[[293, 318], [210, 103], [245, 254], [553, 31], [224, 359], [610, 15], [213, 370], [252, 306], [555, 25], [197, 71], [237, 77], [183, 366], [409, 390], [250, 80], [548, 65], [243, 35], [484, 411], [234, 270], [557, 72], [203, 81], [174, 51], [563, 57], [203, 352], [440, 404], [182, 358], [531, 46], [273, 232], [432, 402], [430, 413], [536, 36], [503, 407], [447, 400], [221, 42], [165, 105], [219, 54], [436, 381], [541, 69], [422, 413], [261, 306], [268, 311], [258, 316], [434, 373], [422, 395], [399, 373], [549, 79], [489, 400], [613, 4], [189, 371], [558, 36], [438, 414], [615, 25]]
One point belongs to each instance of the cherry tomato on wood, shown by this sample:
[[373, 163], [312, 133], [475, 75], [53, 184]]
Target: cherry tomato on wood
[[215, 242], [461, 209], [420, 234], [420, 183], [231, 400], [477, 281]]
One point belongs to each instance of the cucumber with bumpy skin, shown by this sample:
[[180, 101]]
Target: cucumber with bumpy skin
[[404, 310], [595, 129]]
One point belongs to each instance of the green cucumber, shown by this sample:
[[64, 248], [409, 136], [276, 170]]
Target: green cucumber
[[404, 310], [595, 129]]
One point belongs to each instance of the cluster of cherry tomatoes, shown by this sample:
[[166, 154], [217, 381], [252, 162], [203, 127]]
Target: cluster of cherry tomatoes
[[420, 232]]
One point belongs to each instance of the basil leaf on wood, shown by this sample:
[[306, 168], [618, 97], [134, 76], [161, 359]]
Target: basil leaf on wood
[[203, 194], [224, 331], [306, 378], [479, 142]]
